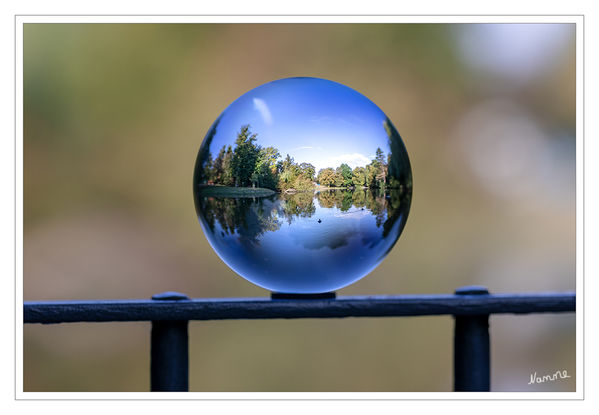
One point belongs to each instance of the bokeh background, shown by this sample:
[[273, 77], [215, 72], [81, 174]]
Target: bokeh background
[[114, 116]]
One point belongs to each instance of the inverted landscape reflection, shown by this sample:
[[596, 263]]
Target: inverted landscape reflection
[[302, 185], [304, 242]]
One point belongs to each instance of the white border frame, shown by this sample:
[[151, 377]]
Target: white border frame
[[20, 20]]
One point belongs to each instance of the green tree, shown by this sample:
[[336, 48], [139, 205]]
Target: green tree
[[286, 179], [376, 171], [245, 156], [227, 178], [399, 174], [217, 166], [339, 179], [269, 156], [265, 172], [287, 173], [345, 203], [288, 164], [208, 169], [346, 173], [379, 156], [307, 170], [370, 173], [381, 174], [202, 170]]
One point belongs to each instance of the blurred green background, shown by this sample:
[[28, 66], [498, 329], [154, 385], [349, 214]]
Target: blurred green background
[[114, 115]]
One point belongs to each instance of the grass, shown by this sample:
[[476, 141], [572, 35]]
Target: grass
[[226, 191]]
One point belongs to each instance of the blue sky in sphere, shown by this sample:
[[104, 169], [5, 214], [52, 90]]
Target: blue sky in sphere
[[313, 120]]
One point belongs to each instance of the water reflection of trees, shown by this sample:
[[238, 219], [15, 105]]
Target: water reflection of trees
[[359, 198], [250, 218], [297, 205], [386, 206]]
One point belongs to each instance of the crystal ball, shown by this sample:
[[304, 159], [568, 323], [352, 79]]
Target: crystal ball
[[302, 186]]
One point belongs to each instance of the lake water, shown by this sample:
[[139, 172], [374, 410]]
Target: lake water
[[305, 242]]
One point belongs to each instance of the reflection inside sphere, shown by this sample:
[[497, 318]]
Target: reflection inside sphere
[[302, 185]]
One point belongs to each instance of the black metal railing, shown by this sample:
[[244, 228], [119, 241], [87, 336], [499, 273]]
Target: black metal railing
[[170, 313]]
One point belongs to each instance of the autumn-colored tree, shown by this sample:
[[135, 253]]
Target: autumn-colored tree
[[370, 173], [294, 176], [326, 177], [359, 177]]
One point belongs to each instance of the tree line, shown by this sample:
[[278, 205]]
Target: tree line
[[247, 164]]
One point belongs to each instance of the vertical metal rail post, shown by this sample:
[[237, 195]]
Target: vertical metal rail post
[[471, 348], [169, 360]]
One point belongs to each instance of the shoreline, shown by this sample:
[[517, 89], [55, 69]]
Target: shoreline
[[241, 192], [318, 187], [229, 191]]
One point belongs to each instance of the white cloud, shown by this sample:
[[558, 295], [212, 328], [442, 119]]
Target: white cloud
[[353, 160], [260, 105]]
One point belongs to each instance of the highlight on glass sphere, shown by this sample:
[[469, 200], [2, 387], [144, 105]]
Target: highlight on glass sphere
[[302, 186]]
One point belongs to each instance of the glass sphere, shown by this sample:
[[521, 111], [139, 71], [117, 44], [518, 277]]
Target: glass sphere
[[302, 186]]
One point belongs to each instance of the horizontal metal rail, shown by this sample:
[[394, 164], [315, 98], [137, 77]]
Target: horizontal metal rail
[[170, 313], [181, 308]]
